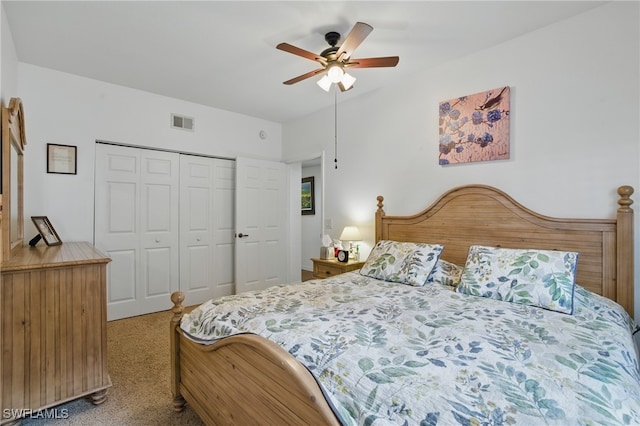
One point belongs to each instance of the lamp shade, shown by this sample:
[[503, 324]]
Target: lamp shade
[[350, 233]]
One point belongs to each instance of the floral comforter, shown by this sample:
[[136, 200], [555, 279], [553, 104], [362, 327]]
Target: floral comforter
[[389, 353]]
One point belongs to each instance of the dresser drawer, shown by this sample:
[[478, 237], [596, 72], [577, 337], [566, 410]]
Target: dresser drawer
[[324, 268], [323, 271]]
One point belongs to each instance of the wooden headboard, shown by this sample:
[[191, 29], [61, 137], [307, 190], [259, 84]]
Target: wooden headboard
[[482, 215]]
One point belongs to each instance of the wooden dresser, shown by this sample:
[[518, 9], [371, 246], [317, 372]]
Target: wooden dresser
[[54, 336]]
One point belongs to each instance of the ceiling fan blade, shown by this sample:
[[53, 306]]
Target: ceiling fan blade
[[304, 76], [388, 61], [359, 32], [297, 51]]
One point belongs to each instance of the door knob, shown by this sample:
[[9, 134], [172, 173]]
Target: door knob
[[240, 235]]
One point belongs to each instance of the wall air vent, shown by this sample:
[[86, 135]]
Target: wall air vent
[[181, 122]]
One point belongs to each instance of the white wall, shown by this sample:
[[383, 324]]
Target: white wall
[[8, 61], [66, 109], [574, 127]]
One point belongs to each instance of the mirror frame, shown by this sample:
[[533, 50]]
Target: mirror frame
[[13, 143]]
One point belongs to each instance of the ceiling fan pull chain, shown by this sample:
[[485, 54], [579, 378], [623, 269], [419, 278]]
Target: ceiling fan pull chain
[[335, 118]]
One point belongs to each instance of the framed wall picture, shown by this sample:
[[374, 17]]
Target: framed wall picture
[[46, 230], [62, 159], [307, 195], [475, 127]]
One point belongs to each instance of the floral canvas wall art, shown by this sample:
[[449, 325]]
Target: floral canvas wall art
[[475, 127]]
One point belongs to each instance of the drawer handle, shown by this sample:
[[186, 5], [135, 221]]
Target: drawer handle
[[328, 272]]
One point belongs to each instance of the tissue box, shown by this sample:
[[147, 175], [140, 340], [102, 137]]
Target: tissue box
[[327, 253]]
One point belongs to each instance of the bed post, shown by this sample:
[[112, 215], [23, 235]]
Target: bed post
[[178, 401], [379, 215], [625, 282]]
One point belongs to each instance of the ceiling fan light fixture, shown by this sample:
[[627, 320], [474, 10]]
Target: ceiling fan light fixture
[[335, 59], [347, 81], [325, 83], [335, 73]]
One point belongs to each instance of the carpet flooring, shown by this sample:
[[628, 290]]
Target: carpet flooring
[[138, 362], [138, 357]]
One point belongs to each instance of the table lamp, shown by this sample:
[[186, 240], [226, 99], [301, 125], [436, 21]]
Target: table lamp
[[351, 234]]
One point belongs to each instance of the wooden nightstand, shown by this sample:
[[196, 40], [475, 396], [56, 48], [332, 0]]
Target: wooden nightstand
[[323, 268]]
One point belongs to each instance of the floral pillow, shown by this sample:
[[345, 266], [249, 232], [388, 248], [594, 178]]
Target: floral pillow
[[407, 263], [543, 278], [445, 273]]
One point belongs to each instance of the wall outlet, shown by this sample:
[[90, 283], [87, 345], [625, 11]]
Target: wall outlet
[[328, 224]]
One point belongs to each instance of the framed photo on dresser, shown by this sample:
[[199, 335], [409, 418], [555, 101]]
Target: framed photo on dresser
[[46, 230]]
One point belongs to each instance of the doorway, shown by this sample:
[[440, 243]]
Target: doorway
[[311, 226]]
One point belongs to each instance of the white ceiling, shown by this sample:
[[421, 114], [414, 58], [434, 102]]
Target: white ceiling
[[222, 53]]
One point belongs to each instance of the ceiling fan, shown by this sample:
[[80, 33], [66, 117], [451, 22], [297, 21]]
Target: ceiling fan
[[336, 59]]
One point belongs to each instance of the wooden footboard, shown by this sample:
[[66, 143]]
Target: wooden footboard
[[243, 379]]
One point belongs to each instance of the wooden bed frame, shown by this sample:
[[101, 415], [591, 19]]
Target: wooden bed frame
[[247, 379]]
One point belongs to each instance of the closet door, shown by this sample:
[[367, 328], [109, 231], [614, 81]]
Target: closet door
[[136, 224], [159, 226], [261, 218], [207, 188], [224, 184]]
